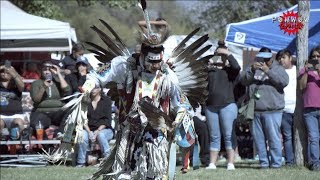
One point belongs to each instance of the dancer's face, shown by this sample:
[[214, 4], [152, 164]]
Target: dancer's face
[[153, 66], [153, 62]]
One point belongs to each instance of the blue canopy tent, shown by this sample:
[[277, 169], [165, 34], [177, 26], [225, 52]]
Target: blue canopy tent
[[264, 32]]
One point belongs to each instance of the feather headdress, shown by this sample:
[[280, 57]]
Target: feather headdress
[[153, 33]]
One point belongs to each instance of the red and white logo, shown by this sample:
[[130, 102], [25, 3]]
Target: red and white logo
[[290, 22]]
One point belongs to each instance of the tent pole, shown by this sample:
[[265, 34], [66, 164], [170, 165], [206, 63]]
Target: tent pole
[[70, 43]]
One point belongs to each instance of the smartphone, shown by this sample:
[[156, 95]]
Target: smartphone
[[259, 59], [314, 63], [311, 68], [48, 77], [7, 64]]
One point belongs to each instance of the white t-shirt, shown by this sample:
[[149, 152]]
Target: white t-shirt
[[290, 91]]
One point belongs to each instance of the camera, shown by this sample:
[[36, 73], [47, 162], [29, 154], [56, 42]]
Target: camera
[[221, 44], [313, 63], [259, 59], [48, 77]]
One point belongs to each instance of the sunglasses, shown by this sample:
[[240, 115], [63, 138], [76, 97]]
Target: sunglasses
[[315, 56], [154, 61]]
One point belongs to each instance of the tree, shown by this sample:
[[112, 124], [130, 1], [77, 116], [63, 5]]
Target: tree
[[300, 134], [124, 21], [215, 15], [52, 9], [111, 3], [43, 8]]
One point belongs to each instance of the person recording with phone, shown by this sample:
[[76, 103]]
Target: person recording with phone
[[11, 87], [221, 109], [309, 81], [266, 80], [46, 93]]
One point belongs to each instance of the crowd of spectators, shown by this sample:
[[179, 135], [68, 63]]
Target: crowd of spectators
[[50, 84], [271, 81]]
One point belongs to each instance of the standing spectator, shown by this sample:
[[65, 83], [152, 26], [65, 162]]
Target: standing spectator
[[266, 80], [46, 94], [285, 59], [309, 81], [11, 87], [69, 62], [32, 72], [221, 110], [77, 79], [98, 127]]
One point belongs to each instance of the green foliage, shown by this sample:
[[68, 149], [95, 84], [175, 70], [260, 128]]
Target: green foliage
[[124, 21], [43, 8], [52, 9], [215, 15], [111, 3], [244, 170]]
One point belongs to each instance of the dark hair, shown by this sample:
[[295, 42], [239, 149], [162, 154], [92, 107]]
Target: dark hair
[[283, 52], [265, 49], [160, 19], [317, 49], [77, 47], [46, 62], [145, 49]]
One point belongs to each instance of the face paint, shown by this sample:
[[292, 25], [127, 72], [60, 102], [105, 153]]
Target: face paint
[[153, 61]]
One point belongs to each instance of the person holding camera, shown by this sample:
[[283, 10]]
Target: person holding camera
[[266, 79], [11, 87], [221, 110], [309, 81], [46, 93]]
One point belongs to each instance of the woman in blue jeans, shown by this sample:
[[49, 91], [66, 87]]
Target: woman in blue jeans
[[221, 109], [309, 81], [99, 126]]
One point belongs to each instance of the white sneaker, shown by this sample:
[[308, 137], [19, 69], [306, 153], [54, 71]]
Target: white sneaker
[[222, 159], [230, 166], [211, 166], [237, 158]]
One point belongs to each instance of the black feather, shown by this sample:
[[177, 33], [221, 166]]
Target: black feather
[[124, 47], [108, 41], [143, 4], [99, 48], [182, 44]]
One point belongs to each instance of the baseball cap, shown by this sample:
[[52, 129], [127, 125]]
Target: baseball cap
[[265, 55], [82, 60]]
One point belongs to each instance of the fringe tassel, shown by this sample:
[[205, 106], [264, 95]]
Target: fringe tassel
[[157, 164]]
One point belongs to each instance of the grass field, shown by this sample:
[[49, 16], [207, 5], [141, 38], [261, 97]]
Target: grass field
[[246, 171]]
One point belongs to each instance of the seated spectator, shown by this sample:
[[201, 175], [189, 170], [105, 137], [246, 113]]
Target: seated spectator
[[98, 129], [309, 81], [46, 94], [11, 87], [266, 79], [77, 79], [69, 62], [32, 72], [285, 59]]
